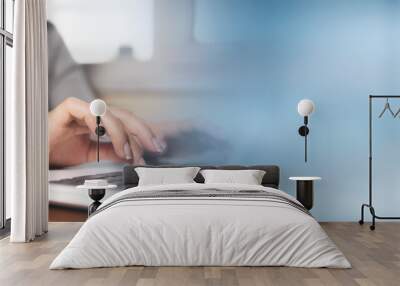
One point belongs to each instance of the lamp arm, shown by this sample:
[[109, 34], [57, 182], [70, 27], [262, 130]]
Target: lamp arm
[[305, 148], [305, 138], [98, 120], [100, 131]]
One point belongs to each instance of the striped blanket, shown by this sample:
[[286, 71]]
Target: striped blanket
[[205, 194]]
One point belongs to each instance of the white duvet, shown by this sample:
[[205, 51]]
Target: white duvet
[[193, 231]]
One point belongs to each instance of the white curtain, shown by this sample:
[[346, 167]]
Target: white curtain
[[26, 123]]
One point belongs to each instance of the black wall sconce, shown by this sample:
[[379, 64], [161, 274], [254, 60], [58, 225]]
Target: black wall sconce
[[97, 188], [305, 107], [98, 108]]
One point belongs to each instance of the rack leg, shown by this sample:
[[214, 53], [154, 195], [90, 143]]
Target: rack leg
[[361, 221], [374, 216], [372, 210]]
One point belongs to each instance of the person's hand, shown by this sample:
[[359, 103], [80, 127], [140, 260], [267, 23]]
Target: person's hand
[[71, 123]]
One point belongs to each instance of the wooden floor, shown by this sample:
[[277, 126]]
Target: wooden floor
[[375, 257]]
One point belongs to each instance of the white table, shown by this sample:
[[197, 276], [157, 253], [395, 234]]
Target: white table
[[305, 190]]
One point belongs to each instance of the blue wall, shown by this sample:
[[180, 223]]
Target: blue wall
[[333, 52]]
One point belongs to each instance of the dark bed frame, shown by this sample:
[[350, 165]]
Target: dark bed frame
[[131, 179], [271, 178]]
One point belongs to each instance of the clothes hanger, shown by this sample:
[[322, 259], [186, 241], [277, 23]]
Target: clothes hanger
[[397, 113], [387, 107]]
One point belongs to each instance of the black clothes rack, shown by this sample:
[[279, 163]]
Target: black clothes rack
[[369, 205]]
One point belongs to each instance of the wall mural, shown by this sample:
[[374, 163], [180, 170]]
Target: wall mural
[[218, 82]]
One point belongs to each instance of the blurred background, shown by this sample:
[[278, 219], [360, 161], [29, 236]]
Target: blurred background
[[235, 70]]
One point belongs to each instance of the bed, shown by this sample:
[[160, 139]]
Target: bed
[[198, 224]]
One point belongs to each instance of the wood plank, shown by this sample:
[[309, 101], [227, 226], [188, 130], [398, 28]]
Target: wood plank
[[375, 257]]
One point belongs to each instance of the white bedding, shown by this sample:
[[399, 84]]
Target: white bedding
[[200, 231]]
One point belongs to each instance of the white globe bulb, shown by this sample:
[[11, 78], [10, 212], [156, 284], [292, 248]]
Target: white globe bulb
[[98, 107], [305, 107]]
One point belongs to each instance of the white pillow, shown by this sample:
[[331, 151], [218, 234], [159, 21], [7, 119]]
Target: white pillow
[[165, 176], [248, 177]]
